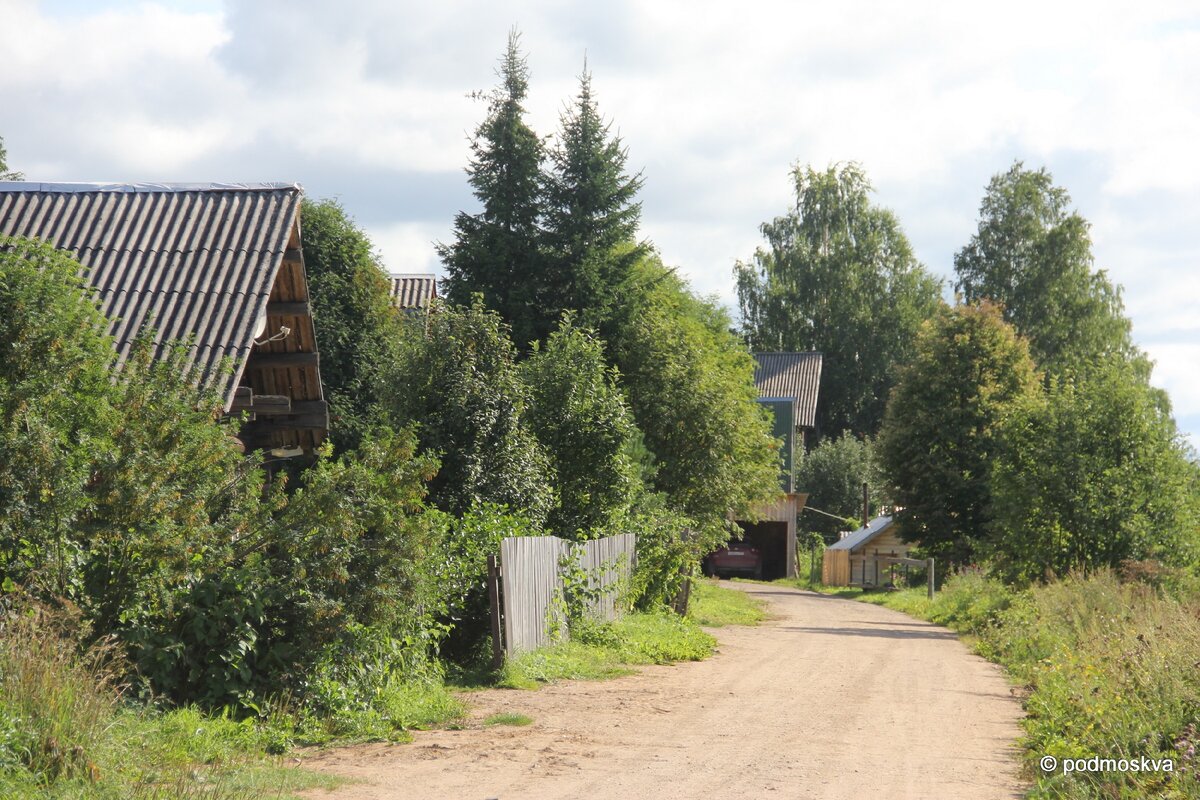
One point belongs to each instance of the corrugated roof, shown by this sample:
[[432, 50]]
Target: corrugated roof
[[795, 376], [195, 261], [863, 535], [413, 289]]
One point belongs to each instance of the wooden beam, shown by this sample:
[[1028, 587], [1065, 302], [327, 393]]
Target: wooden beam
[[281, 309], [260, 359], [305, 414], [263, 404], [293, 254]]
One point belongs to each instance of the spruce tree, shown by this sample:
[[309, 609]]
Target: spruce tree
[[591, 219], [496, 252]]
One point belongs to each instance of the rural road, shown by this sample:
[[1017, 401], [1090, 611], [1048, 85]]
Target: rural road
[[829, 699]]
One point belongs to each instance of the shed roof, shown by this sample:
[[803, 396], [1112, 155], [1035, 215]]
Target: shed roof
[[794, 376], [195, 261], [413, 289], [863, 535]]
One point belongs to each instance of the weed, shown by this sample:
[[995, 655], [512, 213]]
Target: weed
[[715, 606], [508, 718]]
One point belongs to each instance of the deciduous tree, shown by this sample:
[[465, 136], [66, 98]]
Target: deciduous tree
[[1033, 255], [939, 437], [838, 275], [358, 329], [578, 413], [457, 380], [1088, 474]]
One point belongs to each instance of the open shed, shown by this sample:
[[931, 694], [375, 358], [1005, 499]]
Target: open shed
[[853, 561], [217, 266]]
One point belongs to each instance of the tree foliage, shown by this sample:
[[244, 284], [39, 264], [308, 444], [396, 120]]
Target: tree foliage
[[1088, 474], [591, 217], [1033, 255], [832, 474], [357, 327], [56, 412], [497, 252], [579, 415], [691, 387], [939, 437], [127, 498], [837, 275], [456, 378]]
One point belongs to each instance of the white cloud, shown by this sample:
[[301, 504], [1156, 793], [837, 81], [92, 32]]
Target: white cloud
[[367, 100]]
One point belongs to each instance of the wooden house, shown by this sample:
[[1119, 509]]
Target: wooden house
[[218, 267], [856, 559], [787, 384]]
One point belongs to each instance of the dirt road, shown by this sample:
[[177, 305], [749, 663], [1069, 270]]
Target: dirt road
[[830, 699]]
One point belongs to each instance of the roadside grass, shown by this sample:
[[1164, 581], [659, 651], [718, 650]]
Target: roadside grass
[[714, 606], [507, 718], [599, 651], [65, 732], [1106, 669]]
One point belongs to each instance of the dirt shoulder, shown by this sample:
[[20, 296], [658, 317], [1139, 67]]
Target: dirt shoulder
[[830, 699]]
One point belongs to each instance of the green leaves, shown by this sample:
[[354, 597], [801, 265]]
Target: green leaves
[[579, 415], [939, 436], [1089, 474], [1034, 257], [838, 275]]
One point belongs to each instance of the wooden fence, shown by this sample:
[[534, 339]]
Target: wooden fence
[[527, 586]]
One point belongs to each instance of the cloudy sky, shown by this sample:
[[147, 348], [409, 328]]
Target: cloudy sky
[[367, 101]]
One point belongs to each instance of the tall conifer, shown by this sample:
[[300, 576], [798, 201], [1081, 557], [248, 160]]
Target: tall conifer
[[496, 252], [591, 219]]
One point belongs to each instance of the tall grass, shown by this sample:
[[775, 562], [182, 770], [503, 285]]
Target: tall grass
[[67, 732]]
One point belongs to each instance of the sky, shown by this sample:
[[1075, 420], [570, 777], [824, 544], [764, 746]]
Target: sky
[[369, 102]]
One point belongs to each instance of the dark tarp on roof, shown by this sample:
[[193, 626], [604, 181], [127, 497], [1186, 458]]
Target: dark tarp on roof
[[790, 376], [195, 261], [413, 290]]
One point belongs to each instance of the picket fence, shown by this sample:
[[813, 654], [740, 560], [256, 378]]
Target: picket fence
[[530, 584]]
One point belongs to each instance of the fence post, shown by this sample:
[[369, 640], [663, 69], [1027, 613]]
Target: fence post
[[493, 583], [929, 568]]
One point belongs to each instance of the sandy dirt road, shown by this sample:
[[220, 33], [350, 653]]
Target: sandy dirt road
[[830, 699]]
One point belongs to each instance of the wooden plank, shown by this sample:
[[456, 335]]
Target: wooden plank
[[286, 309], [268, 360], [495, 608]]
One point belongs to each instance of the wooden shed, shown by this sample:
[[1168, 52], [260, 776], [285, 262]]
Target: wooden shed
[[854, 561], [216, 266]]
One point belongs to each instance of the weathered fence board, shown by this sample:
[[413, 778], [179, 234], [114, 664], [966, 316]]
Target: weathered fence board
[[531, 584]]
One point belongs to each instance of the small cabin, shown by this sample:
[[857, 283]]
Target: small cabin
[[856, 559]]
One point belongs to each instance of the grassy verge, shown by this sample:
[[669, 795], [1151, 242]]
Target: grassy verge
[[715, 606], [599, 651], [1107, 669], [65, 733]]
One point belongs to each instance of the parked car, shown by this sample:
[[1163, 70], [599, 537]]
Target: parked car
[[738, 558]]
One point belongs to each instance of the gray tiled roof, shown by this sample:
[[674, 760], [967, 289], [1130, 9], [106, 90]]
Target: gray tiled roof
[[795, 376], [414, 289], [195, 261]]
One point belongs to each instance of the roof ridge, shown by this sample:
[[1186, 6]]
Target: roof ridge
[[66, 187]]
